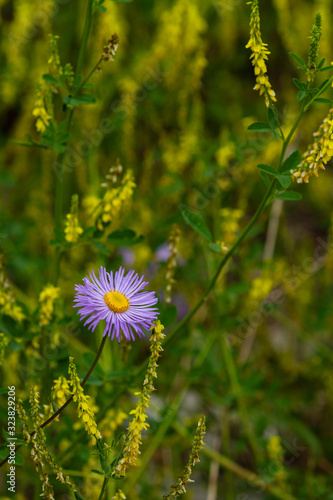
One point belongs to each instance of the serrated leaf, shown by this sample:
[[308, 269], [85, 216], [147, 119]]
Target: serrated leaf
[[125, 238], [267, 169], [289, 196], [291, 162], [50, 79], [284, 180], [196, 222], [298, 59], [259, 127]]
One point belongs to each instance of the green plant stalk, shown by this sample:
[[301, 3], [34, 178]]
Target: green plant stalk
[[60, 173], [238, 470], [240, 238], [103, 490], [55, 414], [237, 391]]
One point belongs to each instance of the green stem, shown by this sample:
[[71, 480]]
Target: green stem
[[103, 490], [321, 91], [240, 238], [89, 76], [237, 391], [222, 264], [60, 172], [85, 35], [55, 414]]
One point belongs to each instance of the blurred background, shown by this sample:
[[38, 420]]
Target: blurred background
[[174, 108]]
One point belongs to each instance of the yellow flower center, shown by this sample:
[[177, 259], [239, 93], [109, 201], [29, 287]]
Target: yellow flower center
[[116, 301]]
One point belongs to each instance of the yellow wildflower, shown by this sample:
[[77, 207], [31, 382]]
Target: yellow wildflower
[[73, 230], [47, 298], [43, 110], [8, 304], [131, 449], [119, 496], [3, 344], [318, 154], [60, 391], [259, 55], [86, 414]]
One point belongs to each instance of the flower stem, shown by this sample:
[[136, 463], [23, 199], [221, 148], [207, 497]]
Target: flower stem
[[103, 490], [240, 238], [60, 171], [55, 414]]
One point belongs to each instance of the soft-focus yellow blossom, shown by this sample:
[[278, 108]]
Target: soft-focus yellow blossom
[[73, 230], [47, 299], [60, 391], [8, 304]]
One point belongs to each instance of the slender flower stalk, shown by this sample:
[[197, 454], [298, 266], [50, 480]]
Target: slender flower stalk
[[179, 488]]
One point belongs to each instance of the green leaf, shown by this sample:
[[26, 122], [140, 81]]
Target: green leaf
[[291, 162], [196, 222], [268, 169], [323, 100], [214, 246], [272, 119], [97, 472], [79, 99], [284, 180], [300, 85], [15, 346], [298, 59], [122, 1], [301, 94], [321, 64], [168, 315], [322, 85], [259, 127], [265, 178], [326, 68], [49, 78], [290, 196], [101, 247], [125, 238]]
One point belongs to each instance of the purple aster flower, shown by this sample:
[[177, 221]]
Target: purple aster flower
[[119, 300]]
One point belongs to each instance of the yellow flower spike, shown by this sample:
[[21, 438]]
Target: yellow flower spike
[[259, 55], [86, 414], [72, 228], [133, 441], [47, 299]]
